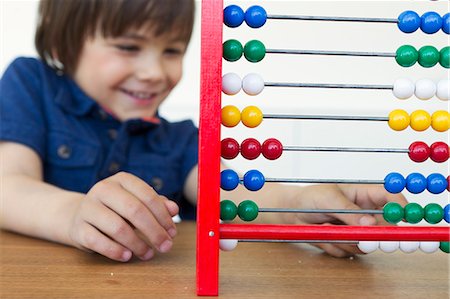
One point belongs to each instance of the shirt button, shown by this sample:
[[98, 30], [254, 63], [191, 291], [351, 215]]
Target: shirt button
[[64, 151], [114, 167], [103, 114], [156, 183], [112, 134]]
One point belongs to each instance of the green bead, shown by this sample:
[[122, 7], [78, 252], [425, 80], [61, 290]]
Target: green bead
[[413, 213], [444, 59], [228, 210], [248, 210], [434, 213], [406, 56], [445, 247], [428, 56], [393, 212], [232, 50], [254, 51]]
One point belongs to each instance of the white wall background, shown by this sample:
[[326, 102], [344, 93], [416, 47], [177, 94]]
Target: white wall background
[[17, 22]]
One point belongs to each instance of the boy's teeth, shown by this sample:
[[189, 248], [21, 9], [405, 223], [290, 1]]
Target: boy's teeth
[[140, 95]]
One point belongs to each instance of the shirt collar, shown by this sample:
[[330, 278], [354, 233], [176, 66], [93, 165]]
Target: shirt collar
[[72, 99]]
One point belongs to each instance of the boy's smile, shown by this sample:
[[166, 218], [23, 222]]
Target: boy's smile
[[130, 75]]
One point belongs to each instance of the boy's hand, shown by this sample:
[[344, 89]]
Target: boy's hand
[[108, 219], [350, 197]]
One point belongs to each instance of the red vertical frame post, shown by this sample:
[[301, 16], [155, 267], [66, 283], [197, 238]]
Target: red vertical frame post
[[208, 206]]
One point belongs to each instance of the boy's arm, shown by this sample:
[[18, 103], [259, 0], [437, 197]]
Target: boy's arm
[[327, 196], [119, 216], [28, 205]]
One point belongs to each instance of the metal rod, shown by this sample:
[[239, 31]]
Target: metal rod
[[319, 211], [345, 149], [327, 85], [326, 117], [299, 241], [320, 181], [335, 19], [333, 53]]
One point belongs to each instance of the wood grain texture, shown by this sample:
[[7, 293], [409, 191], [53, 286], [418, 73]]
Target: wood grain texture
[[33, 268]]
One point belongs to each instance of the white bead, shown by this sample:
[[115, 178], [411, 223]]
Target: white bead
[[176, 219], [231, 83], [368, 246], [443, 90], [227, 244], [252, 84], [403, 89], [429, 247], [409, 246], [425, 89], [389, 246]]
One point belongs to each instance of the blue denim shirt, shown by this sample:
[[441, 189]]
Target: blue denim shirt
[[79, 143]]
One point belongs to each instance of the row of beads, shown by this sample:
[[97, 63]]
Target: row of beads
[[253, 84], [398, 120], [408, 21], [393, 212], [416, 183], [419, 120], [272, 149], [414, 213], [406, 55], [394, 182], [426, 56], [371, 246], [404, 246]]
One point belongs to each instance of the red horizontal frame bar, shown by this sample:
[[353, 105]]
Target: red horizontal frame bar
[[337, 232]]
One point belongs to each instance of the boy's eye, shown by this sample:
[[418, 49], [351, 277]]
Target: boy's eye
[[127, 48], [174, 51]]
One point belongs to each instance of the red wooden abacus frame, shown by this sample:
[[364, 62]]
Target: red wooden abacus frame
[[209, 229]]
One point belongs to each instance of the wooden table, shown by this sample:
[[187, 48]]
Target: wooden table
[[33, 268]]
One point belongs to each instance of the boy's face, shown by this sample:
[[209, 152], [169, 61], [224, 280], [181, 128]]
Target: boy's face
[[130, 75]]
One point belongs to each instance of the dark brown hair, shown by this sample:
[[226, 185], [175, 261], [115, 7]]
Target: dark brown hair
[[64, 25]]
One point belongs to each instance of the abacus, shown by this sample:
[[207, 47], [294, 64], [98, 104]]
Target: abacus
[[213, 235]]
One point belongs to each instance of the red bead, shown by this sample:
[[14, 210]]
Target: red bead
[[229, 148], [439, 152], [419, 151], [250, 148], [272, 149]]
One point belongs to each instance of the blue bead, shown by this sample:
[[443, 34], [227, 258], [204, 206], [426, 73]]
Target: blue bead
[[408, 21], [255, 16], [447, 213], [233, 16], [416, 183], [436, 183], [431, 22], [254, 180], [229, 179], [446, 23], [394, 182]]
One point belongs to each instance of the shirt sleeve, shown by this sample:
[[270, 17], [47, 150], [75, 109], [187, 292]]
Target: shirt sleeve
[[21, 108], [190, 156]]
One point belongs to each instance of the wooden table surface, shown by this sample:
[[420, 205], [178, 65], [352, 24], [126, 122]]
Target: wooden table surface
[[33, 268]]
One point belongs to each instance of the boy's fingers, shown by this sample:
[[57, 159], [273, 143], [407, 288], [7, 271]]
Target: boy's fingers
[[132, 209], [340, 202], [149, 197], [92, 239], [116, 228]]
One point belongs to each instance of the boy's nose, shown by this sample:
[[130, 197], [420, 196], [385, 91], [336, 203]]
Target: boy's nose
[[149, 69]]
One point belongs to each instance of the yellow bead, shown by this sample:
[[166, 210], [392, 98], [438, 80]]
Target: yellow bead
[[251, 116], [420, 120], [398, 120], [231, 116], [440, 120]]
